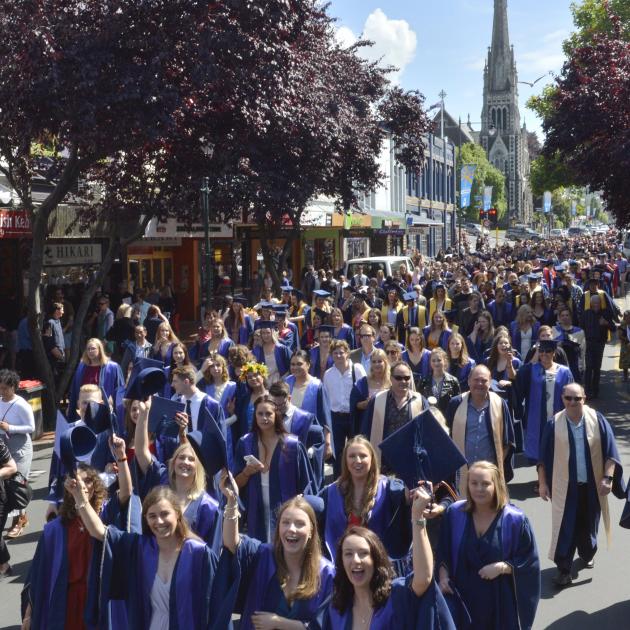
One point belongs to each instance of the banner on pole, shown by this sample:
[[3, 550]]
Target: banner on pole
[[573, 208], [468, 175], [487, 198], [547, 202]]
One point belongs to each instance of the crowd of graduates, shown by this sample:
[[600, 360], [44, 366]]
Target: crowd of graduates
[[337, 455]]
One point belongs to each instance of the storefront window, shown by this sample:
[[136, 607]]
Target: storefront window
[[357, 247]]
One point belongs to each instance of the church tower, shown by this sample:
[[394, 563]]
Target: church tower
[[502, 136]]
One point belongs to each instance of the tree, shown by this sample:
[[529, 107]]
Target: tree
[[485, 175], [596, 17], [533, 145], [549, 173]]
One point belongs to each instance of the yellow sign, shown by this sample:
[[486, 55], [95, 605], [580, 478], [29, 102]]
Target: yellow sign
[[36, 404]]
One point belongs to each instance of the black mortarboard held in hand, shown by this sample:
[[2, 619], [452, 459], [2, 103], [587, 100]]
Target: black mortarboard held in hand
[[146, 383], [76, 443], [421, 450], [162, 416], [209, 444], [99, 417]]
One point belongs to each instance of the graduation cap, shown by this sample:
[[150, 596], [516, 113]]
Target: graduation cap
[[77, 443], [412, 296], [359, 295], [602, 255], [265, 304], [348, 287], [572, 262], [287, 289], [421, 450], [209, 446], [570, 346], [241, 299], [533, 277], [320, 293], [146, 383], [547, 345], [99, 417], [162, 416], [559, 268], [280, 309], [264, 323]]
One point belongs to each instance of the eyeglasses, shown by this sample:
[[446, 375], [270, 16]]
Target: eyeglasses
[[400, 377], [573, 398]]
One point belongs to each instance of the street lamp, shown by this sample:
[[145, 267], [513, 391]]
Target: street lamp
[[208, 150]]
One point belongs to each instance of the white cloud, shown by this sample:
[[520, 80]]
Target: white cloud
[[547, 57], [394, 41]]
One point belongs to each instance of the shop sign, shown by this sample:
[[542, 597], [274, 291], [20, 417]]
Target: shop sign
[[14, 223], [70, 254], [314, 218], [357, 233], [172, 228], [389, 232]]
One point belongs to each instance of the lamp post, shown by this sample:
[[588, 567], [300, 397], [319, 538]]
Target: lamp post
[[208, 150]]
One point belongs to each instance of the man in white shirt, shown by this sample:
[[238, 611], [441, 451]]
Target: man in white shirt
[[187, 392], [363, 354], [338, 381]]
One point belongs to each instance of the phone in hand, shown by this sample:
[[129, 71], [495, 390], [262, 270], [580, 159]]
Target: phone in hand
[[250, 459]]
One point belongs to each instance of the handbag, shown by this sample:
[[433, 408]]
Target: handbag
[[18, 492]]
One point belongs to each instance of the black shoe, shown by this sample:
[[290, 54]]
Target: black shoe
[[588, 564], [563, 579]]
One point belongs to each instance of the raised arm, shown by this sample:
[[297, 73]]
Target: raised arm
[[90, 518], [124, 475], [141, 439], [422, 553], [228, 487]]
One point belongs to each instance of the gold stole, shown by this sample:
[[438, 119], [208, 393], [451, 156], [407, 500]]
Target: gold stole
[[458, 433], [378, 418], [385, 310], [587, 300], [422, 314], [448, 305], [560, 482]]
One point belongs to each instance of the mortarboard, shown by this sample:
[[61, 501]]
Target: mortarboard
[[209, 445], [265, 304], [569, 344], [533, 277], [241, 299], [264, 323], [320, 293], [146, 383], [422, 450], [99, 418], [358, 295], [410, 297], [78, 442], [559, 268], [572, 262], [280, 309], [547, 345], [287, 289], [328, 329], [162, 416]]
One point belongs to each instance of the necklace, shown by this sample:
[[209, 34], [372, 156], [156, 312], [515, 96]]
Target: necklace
[[364, 620]]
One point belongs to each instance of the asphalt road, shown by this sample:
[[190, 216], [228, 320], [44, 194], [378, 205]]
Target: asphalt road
[[599, 599]]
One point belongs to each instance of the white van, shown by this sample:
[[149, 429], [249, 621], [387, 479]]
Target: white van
[[388, 264]]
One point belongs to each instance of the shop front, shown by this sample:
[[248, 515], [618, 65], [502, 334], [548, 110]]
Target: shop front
[[15, 247], [356, 235]]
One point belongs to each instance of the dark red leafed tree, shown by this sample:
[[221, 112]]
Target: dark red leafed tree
[[589, 121]]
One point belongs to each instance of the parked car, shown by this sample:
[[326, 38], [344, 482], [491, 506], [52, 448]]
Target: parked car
[[556, 233], [472, 229], [388, 264], [518, 233], [578, 230]]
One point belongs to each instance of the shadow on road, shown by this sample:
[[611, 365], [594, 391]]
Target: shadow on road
[[615, 616]]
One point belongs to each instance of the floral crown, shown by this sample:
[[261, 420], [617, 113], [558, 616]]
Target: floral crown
[[253, 368]]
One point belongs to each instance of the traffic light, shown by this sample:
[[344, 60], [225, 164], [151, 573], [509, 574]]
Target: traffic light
[[482, 215], [492, 215]]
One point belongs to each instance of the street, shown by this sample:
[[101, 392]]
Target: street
[[598, 598]]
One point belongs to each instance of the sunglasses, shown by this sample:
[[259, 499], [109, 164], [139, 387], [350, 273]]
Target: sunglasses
[[573, 398], [400, 377]]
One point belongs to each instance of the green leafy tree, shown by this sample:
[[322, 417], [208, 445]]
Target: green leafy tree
[[593, 17], [549, 173], [485, 175]]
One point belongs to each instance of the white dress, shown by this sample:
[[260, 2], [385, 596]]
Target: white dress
[[160, 593]]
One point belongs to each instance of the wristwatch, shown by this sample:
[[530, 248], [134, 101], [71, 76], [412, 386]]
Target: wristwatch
[[421, 522]]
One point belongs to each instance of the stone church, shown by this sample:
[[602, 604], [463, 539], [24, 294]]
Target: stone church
[[502, 136]]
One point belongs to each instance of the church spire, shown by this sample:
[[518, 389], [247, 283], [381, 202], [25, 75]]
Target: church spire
[[500, 53]]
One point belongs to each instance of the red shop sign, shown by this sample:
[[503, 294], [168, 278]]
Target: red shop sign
[[14, 223]]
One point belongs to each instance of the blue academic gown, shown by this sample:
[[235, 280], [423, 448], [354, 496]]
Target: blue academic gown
[[282, 355], [403, 609], [244, 332], [46, 585], [291, 339], [314, 371], [345, 333], [229, 393], [260, 590], [505, 317], [389, 518], [419, 370], [461, 373], [110, 378], [478, 350], [200, 598], [315, 400], [360, 391], [444, 337], [290, 474], [515, 334], [530, 383], [508, 602], [609, 451]]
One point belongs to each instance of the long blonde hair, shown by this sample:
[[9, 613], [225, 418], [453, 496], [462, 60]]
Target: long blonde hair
[[199, 484], [501, 496], [310, 581], [380, 354], [102, 357], [345, 485]]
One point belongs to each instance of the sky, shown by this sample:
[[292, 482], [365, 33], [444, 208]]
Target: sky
[[442, 45]]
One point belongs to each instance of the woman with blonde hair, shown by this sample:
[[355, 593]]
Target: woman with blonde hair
[[165, 340], [166, 575], [275, 355], [185, 476], [460, 364], [488, 553], [286, 583], [524, 330], [219, 341], [94, 368], [365, 388], [122, 331], [361, 496]]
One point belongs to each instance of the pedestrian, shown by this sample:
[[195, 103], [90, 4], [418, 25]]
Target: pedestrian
[[8, 468], [624, 339], [17, 423], [579, 466]]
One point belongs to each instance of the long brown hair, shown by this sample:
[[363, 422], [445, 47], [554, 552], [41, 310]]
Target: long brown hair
[[345, 485], [381, 582], [68, 511], [159, 493], [494, 351], [463, 358], [310, 582]]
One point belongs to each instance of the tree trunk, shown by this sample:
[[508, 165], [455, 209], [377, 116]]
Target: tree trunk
[[270, 265]]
